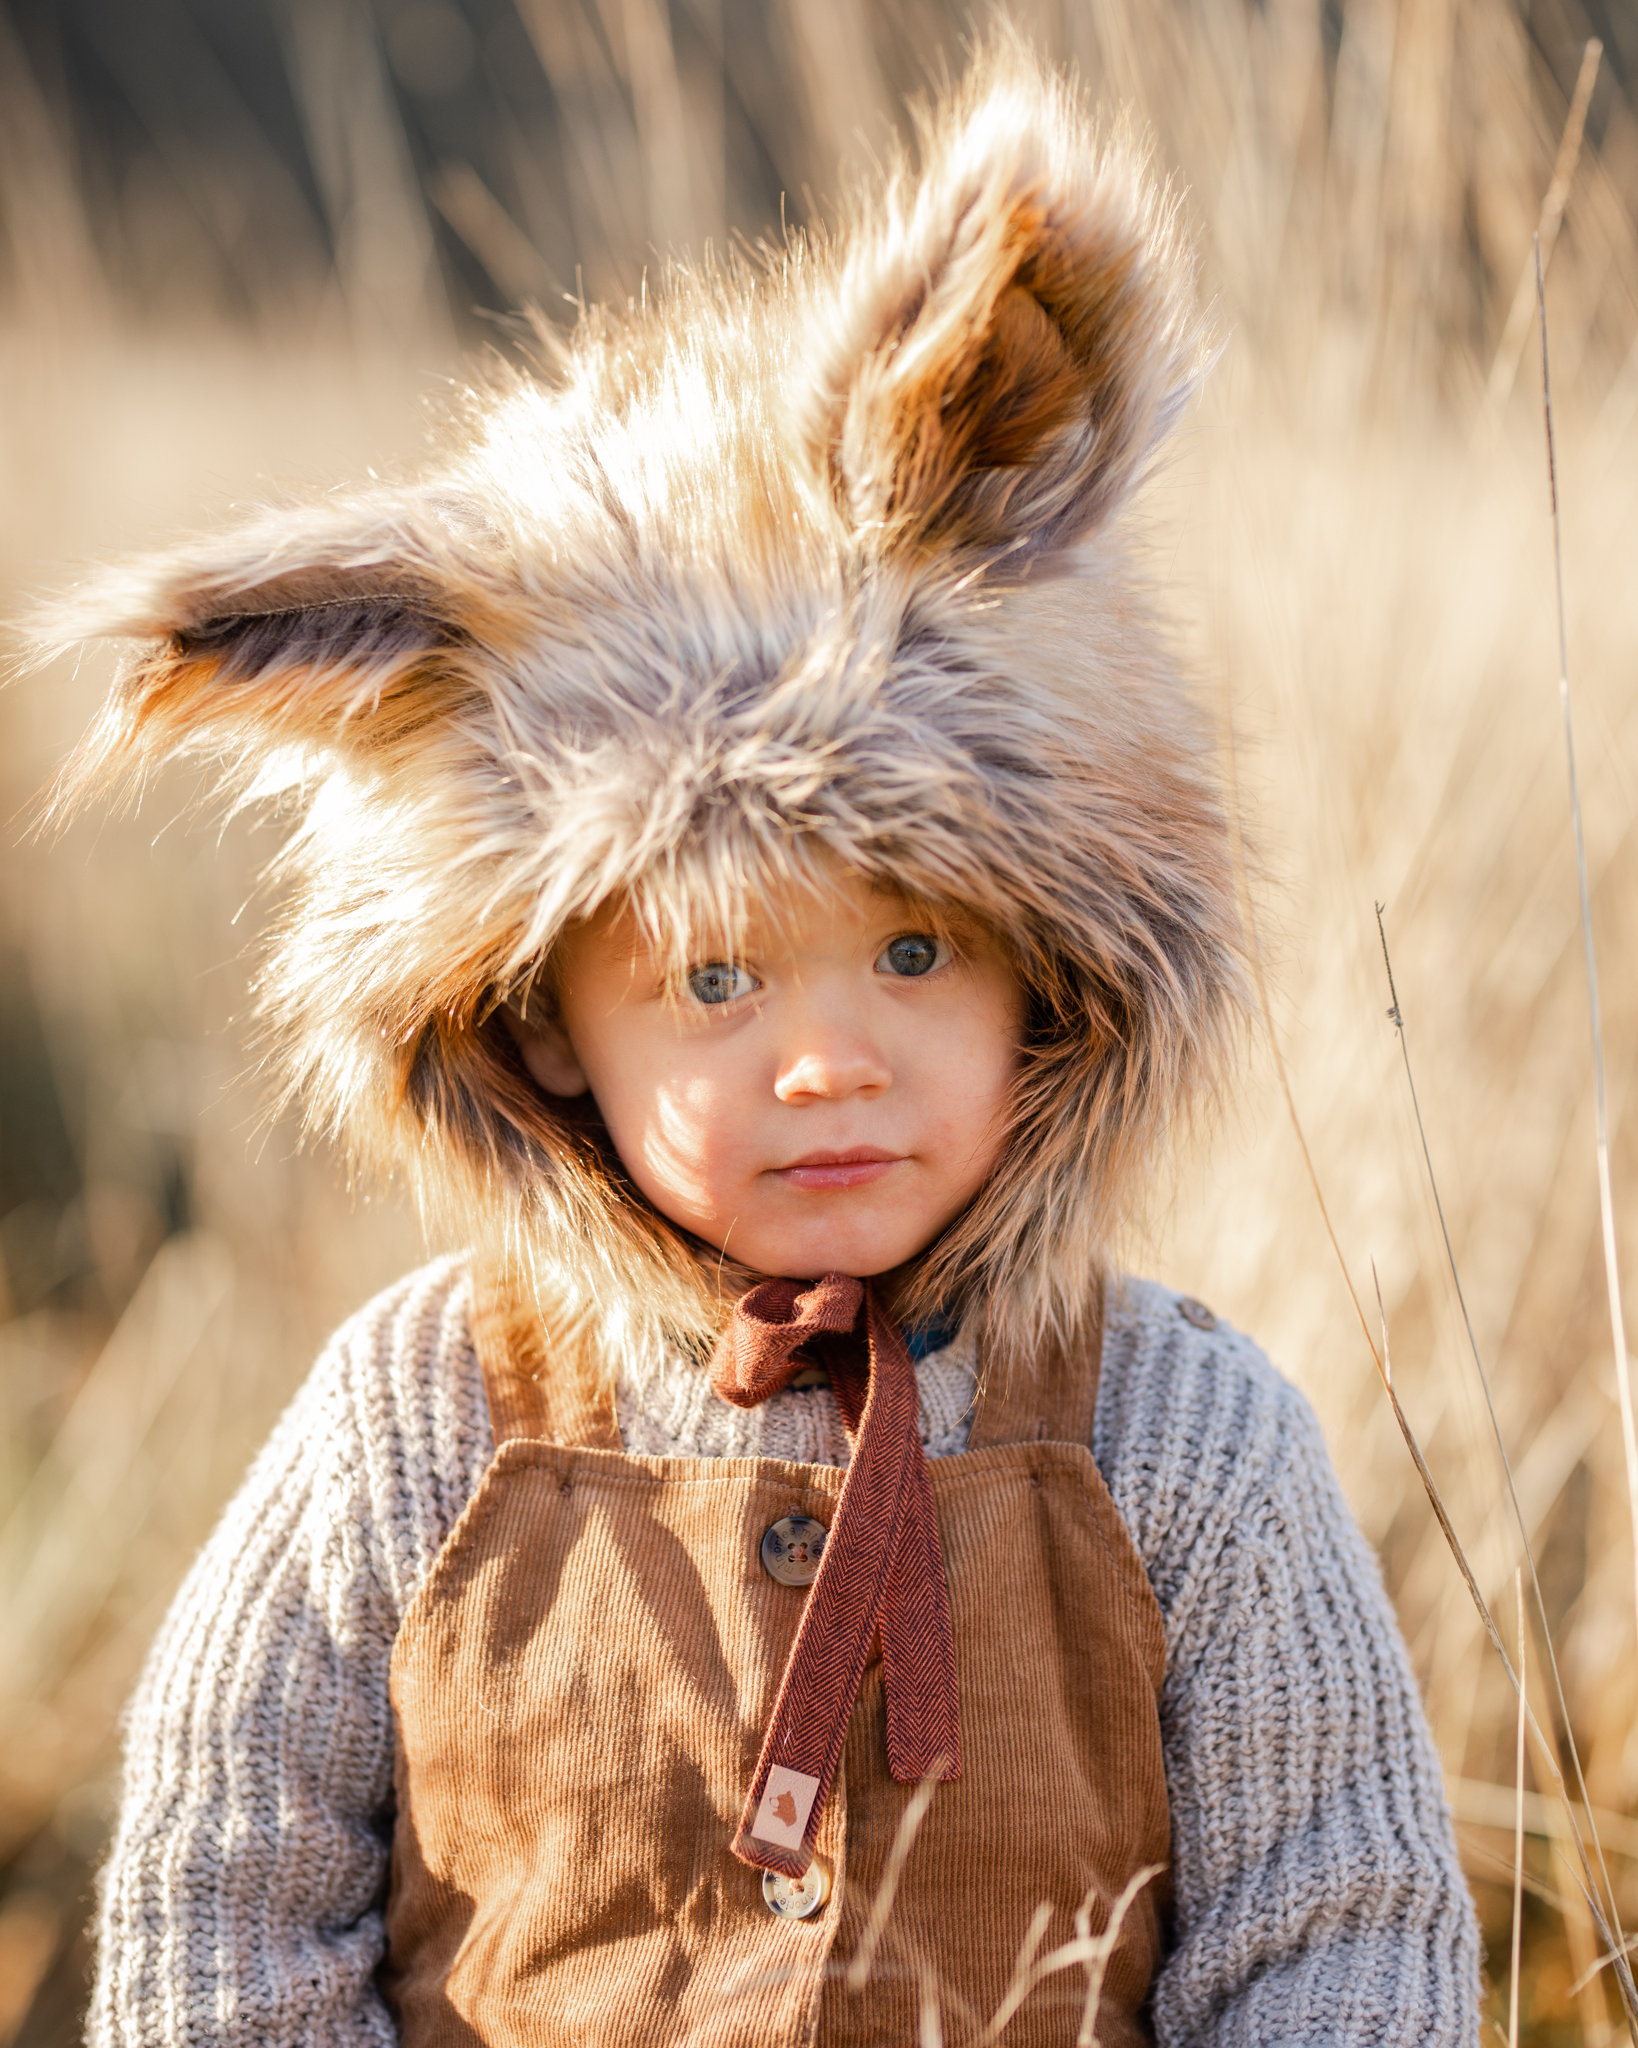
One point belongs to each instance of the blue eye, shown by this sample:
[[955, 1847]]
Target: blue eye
[[719, 981], [911, 954]]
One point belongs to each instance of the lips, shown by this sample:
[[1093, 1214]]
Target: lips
[[856, 1168]]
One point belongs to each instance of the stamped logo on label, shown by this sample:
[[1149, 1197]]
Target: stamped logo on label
[[787, 1800]]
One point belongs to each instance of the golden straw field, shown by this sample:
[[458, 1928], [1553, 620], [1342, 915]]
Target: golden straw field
[[1356, 537]]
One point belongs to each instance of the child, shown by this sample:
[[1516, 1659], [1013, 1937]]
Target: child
[[761, 874]]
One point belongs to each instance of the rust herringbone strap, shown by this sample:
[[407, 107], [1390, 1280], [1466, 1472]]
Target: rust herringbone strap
[[882, 1569]]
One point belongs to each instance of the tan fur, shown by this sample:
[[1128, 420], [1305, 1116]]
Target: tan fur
[[818, 562]]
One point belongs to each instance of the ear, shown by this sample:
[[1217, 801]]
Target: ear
[[323, 629], [1009, 334], [546, 1051]]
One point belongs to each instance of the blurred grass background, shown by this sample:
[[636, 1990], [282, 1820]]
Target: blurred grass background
[[244, 242]]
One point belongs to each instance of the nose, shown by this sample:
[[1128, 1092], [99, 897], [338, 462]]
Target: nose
[[827, 1062]]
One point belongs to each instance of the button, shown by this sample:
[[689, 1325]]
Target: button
[[792, 1548], [1196, 1312], [806, 1377], [796, 1898]]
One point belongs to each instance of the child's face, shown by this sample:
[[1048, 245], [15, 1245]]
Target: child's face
[[827, 1101]]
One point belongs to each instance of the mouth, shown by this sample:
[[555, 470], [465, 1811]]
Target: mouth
[[855, 1168]]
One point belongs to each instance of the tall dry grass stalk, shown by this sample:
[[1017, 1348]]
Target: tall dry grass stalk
[[1601, 1119], [939, 2001], [1357, 538], [1515, 1946]]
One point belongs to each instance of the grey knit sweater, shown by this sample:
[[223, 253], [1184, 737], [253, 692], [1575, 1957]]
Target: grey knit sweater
[[1318, 1895]]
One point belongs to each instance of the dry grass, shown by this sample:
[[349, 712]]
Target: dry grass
[[1357, 535]]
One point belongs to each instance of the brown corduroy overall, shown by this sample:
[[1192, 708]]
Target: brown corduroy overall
[[581, 1688]]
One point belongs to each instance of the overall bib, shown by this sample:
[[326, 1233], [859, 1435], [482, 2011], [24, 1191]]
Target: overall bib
[[581, 1688]]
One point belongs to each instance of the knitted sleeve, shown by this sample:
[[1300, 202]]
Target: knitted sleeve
[[241, 1902], [1318, 1895]]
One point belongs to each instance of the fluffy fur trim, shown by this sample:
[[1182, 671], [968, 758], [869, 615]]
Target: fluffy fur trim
[[819, 561]]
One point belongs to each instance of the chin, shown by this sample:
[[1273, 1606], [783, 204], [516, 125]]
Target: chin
[[862, 1262]]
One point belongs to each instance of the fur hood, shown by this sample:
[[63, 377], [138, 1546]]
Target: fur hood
[[818, 560]]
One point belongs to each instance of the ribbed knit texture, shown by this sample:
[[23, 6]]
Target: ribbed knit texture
[[1318, 1895]]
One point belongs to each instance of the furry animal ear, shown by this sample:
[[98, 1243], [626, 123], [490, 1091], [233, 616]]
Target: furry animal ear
[[313, 630], [1010, 333]]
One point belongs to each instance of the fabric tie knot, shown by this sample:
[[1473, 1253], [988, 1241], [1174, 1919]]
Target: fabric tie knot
[[882, 1572]]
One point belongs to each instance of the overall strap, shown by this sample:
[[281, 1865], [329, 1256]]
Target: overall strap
[[1050, 1400], [530, 1393]]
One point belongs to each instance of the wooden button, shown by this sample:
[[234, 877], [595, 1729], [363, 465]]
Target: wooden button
[[796, 1898], [792, 1548], [1196, 1312]]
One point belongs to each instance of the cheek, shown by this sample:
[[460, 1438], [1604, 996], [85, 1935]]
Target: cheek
[[675, 1122], [1001, 1039], [686, 1129], [990, 1088], [1000, 1035], [968, 1068]]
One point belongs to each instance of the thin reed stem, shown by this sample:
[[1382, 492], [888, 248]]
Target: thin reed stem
[[1441, 1514], [1615, 1943], [858, 1970], [1383, 1362], [1505, 368], [1606, 1202], [1090, 1951], [1629, 1947], [1518, 1822], [930, 2031], [1610, 1922], [1102, 1947], [1266, 1008], [1024, 1978]]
